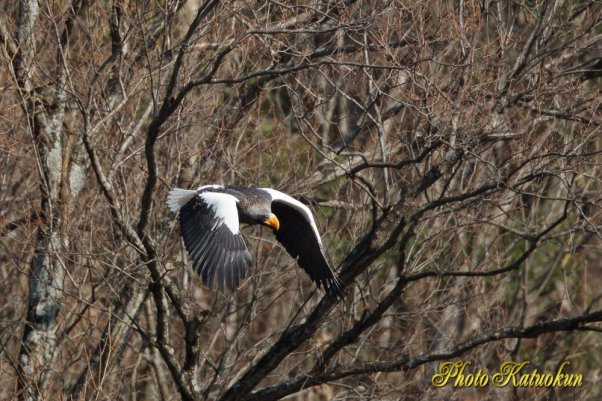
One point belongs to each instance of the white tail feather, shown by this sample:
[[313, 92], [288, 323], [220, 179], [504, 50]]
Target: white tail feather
[[178, 197]]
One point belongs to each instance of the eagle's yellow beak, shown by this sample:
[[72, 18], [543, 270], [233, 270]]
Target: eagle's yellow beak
[[272, 221]]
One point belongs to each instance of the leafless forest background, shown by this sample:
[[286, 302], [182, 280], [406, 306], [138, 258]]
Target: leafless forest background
[[449, 150]]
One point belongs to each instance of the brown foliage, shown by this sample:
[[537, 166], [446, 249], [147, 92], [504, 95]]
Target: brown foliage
[[449, 150]]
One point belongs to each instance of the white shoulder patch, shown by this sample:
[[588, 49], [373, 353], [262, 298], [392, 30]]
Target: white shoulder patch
[[178, 197], [295, 204], [224, 207], [212, 186]]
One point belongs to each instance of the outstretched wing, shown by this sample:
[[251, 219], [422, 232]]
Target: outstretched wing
[[299, 235], [210, 227]]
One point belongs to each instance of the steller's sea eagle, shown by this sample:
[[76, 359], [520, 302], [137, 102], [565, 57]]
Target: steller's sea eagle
[[210, 217]]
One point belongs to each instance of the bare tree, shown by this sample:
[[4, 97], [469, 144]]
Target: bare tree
[[449, 150]]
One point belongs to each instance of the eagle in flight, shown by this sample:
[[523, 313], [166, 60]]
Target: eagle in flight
[[210, 219]]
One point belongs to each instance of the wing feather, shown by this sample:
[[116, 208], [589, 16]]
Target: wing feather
[[299, 235], [209, 225]]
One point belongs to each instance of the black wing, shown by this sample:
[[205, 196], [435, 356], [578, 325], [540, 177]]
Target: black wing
[[216, 250], [298, 235]]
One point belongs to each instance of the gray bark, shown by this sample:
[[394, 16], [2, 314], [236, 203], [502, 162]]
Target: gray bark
[[47, 270]]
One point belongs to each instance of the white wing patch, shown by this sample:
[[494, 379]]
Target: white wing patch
[[224, 207], [178, 197], [294, 203]]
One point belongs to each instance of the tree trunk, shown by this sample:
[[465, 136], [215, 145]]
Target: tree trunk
[[47, 270]]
